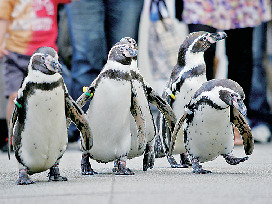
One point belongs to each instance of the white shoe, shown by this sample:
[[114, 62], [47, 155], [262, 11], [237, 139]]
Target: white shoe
[[261, 133]]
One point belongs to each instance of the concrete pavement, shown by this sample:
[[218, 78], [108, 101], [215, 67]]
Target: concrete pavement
[[249, 182]]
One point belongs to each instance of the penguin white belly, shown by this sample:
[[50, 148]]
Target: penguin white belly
[[109, 119], [44, 138], [210, 133], [150, 132], [187, 90]]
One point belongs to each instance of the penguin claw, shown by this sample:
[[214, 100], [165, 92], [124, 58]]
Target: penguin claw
[[23, 181], [201, 171], [234, 160], [124, 171], [57, 178]]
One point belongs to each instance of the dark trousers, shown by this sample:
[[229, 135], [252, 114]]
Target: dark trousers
[[239, 54]]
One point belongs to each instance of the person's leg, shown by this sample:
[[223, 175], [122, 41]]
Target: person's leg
[[239, 53], [122, 19], [86, 24], [258, 99], [210, 53], [14, 66], [259, 110]]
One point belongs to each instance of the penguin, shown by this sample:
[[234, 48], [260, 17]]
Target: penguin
[[119, 114], [187, 76], [208, 124], [38, 122]]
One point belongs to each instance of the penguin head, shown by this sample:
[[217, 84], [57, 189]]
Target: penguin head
[[234, 96], [204, 41], [198, 42], [222, 93], [123, 53], [45, 60], [132, 42]]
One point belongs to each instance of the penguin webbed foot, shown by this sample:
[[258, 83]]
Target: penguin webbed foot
[[120, 168], [24, 178], [234, 160], [149, 158], [86, 168], [54, 174], [173, 163], [197, 168]]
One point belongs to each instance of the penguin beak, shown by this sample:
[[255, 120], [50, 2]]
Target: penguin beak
[[240, 106], [214, 37], [53, 64], [56, 66], [131, 52]]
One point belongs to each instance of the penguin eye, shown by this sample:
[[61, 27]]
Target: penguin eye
[[43, 57], [203, 38]]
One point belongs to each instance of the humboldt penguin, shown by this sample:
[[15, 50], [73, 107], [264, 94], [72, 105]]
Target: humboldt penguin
[[119, 114], [208, 124], [38, 121]]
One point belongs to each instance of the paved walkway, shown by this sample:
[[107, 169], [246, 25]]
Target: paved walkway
[[249, 182]]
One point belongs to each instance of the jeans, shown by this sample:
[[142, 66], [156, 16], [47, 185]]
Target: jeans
[[95, 26]]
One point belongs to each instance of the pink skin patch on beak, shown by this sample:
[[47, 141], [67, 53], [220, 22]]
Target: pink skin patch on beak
[[128, 51], [47, 60], [235, 104]]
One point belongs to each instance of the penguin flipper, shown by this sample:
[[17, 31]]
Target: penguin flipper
[[177, 128], [240, 122], [163, 107], [137, 114], [74, 112], [12, 122]]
